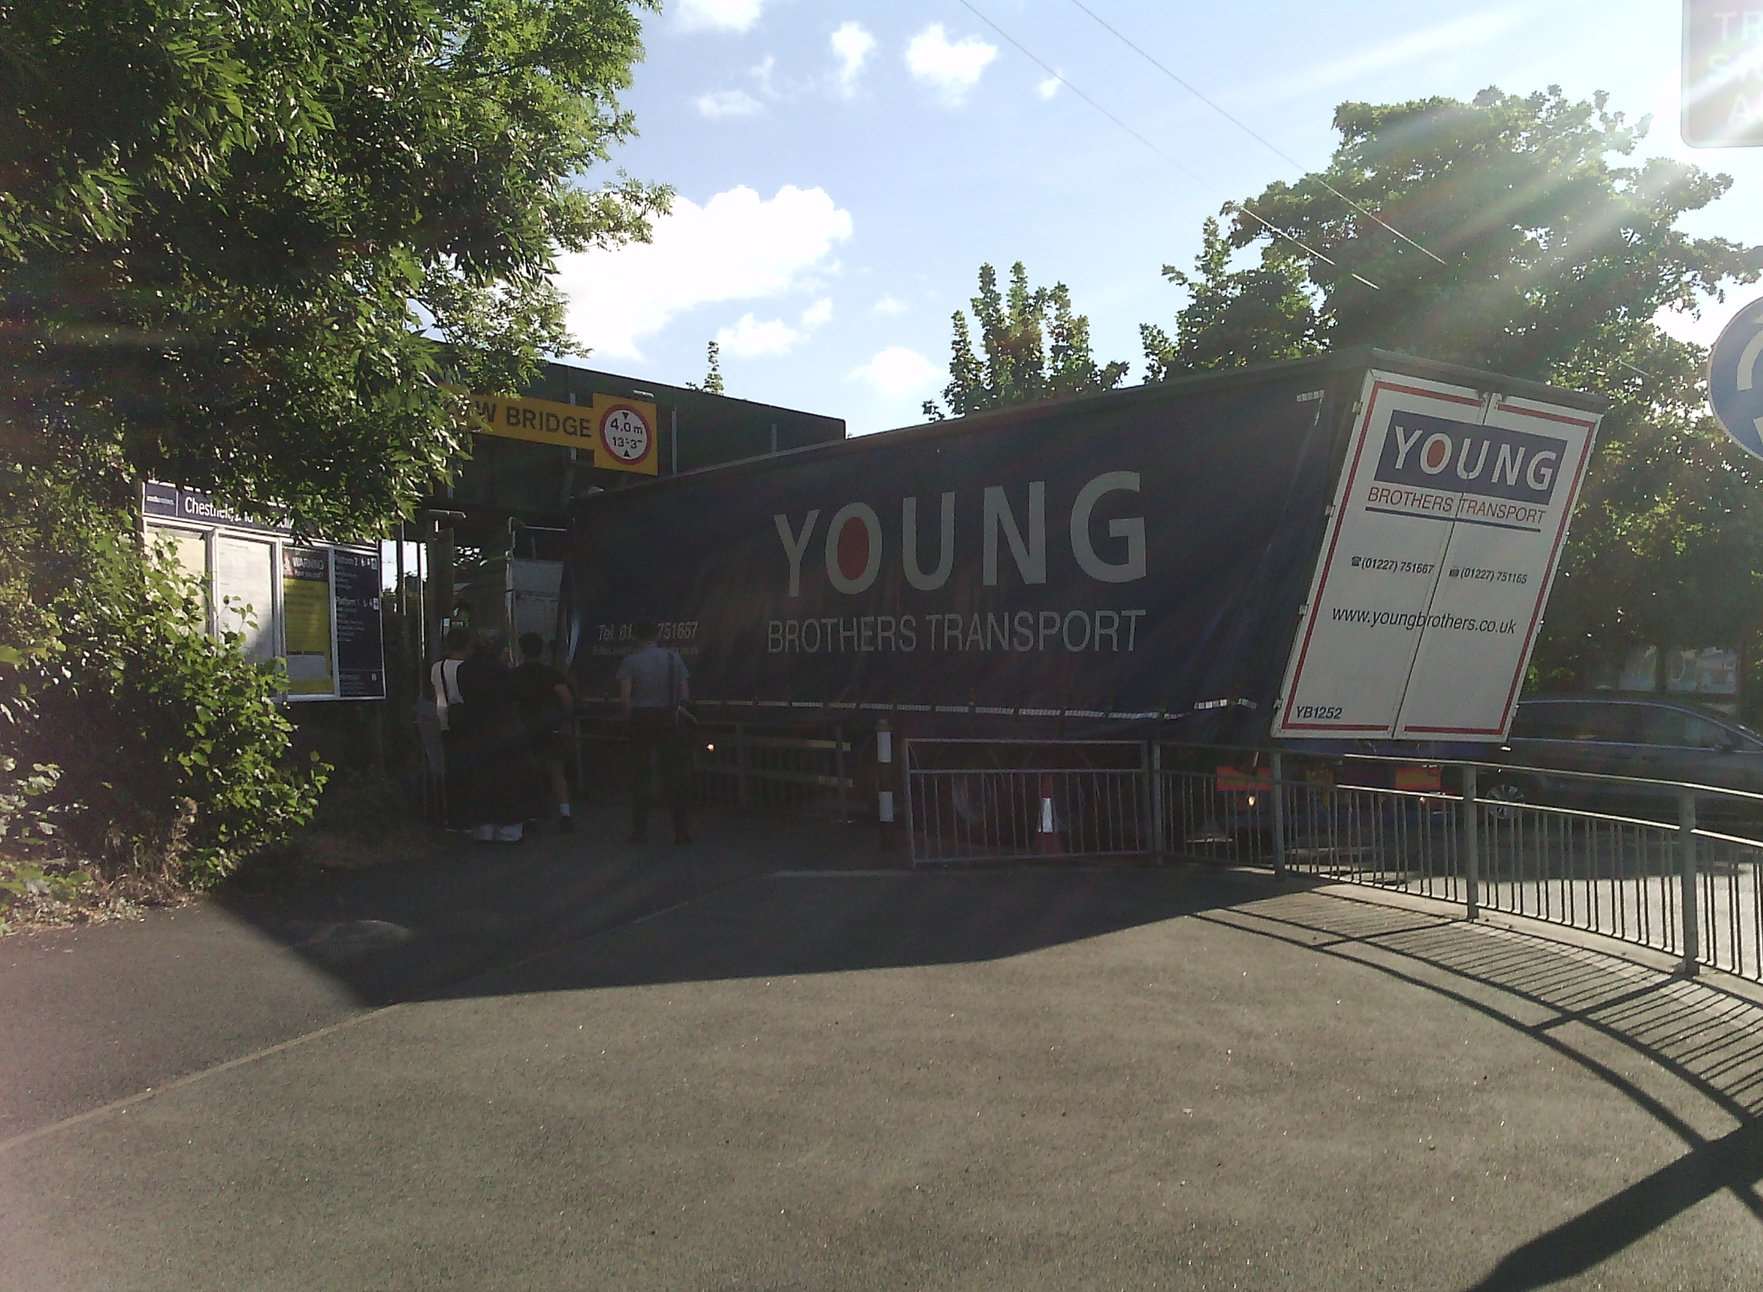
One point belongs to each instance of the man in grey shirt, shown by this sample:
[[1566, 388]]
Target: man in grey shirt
[[652, 684]]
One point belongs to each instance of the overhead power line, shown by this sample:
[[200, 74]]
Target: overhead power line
[[1271, 228], [1244, 126], [1059, 76]]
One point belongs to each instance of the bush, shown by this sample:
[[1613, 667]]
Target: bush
[[171, 759]]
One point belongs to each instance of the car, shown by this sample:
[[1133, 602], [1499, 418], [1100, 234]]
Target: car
[[1647, 738]]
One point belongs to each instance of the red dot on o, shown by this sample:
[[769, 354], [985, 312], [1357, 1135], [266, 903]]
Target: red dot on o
[[1436, 453], [853, 549]]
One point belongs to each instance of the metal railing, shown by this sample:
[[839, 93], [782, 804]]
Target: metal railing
[[736, 767], [1625, 857], [741, 768], [1628, 872], [967, 802]]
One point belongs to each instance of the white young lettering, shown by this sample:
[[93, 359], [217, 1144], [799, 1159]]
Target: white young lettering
[[1464, 470], [915, 575], [1508, 462], [1131, 529], [1030, 556], [1406, 439], [865, 515], [795, 545]]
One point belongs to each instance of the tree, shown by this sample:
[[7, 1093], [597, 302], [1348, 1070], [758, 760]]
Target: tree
[[1254, 315], [224, 226], [1548, 253], [1034, 346], [230, 238], [712, 372]]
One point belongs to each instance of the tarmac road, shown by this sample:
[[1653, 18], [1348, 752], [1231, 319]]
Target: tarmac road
[[748, 1069]]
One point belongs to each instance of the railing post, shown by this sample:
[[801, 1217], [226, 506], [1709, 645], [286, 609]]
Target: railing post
[[906, 788], [1159, 831], [1471, 843], [839, 771], [1277, 766], [1686, 845], [1153, 762], [743, 765], [884, 785]]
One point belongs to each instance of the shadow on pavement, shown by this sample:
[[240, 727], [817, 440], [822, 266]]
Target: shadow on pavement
[[451, 926], [410, 930], [1705, 1036], [581, 917]]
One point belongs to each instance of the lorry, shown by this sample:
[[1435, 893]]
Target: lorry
[[1357, 546]]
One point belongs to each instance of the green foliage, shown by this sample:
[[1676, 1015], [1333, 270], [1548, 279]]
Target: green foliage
[[1255, 315], [1555, 245], [224, 232], [223, 226], [713, 370], [1034, 346], [172, 753], [1558, 251], [26, 879]]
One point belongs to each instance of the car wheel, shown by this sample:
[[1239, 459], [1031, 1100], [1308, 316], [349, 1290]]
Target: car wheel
[[1504, 798]]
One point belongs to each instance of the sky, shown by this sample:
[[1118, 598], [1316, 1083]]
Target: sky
[[842, 168]]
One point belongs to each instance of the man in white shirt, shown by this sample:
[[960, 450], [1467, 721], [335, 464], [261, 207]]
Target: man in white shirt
[[652, 685]]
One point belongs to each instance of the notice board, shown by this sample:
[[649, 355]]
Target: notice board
[[314, 605]]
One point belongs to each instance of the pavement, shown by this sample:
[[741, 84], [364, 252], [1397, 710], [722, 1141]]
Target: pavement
[[773, 1061]]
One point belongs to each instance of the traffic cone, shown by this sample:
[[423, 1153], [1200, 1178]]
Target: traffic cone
[[1047, 835]]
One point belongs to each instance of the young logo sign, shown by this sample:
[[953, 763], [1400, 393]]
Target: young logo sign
[[1447, 525]]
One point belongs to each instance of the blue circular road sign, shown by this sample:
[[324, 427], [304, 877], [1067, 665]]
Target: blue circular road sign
[[1735, 378]]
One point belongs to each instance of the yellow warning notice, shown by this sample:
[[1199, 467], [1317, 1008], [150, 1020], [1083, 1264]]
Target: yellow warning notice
[[618, 434], [306, 621]]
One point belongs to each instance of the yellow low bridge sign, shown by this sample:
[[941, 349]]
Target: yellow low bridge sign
[[619, 433]]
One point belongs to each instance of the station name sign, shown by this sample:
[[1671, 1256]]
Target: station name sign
[[199, 508]]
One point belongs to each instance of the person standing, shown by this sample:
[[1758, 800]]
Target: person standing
[[495, 743], [546, 703], [455, 722], [652, 685]]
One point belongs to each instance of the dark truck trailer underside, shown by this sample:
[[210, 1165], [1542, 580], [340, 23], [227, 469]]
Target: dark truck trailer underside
[[1134, 560]]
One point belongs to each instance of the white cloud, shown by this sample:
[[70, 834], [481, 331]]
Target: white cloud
[[951, 68], [728, 103], [752, 338], [898, 372], [888, 306], [737, 246], [852, 45], [762, 72], [719, 15], [1048, 88]]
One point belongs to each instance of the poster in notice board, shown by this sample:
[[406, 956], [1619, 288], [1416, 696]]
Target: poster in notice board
[[361, 660], [306, 621]]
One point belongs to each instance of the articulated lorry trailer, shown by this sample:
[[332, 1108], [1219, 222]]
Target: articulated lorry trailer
[[1354, 547]]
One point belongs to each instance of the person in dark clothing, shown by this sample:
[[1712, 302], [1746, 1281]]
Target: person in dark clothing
[[545, 703], [652, 685], [495, 745]]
